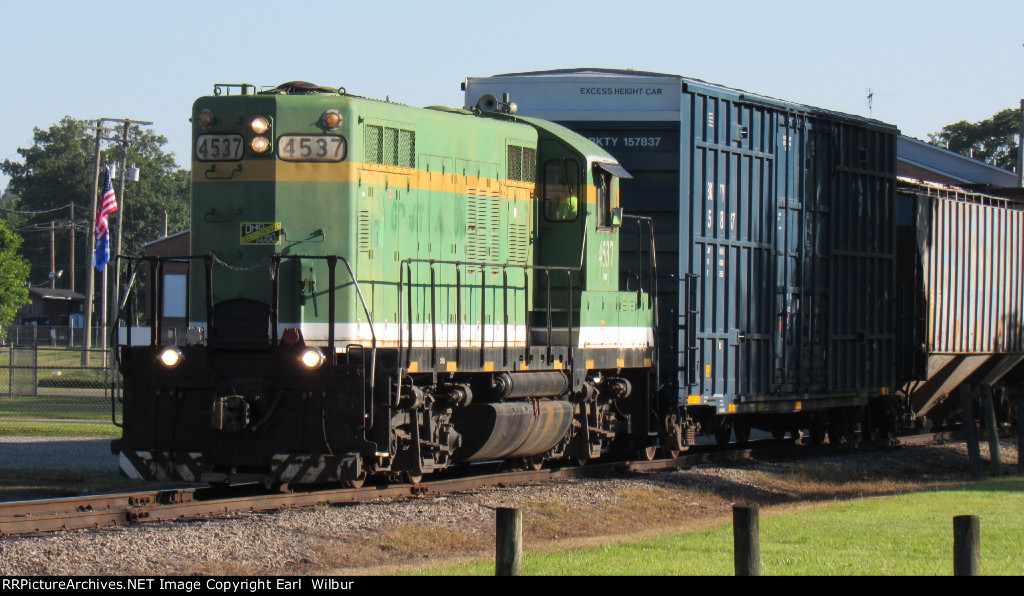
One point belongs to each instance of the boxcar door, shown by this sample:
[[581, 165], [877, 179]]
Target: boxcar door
[[801, 248]]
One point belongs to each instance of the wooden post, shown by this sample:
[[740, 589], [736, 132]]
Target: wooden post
[[973, 449], [746, 540], [508, 551], [966, 545], [989, 413]]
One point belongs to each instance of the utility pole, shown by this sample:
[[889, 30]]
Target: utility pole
[[89, 278], [71, 229], [115, 303], [1020, 148], [89, 274], [53, 263]]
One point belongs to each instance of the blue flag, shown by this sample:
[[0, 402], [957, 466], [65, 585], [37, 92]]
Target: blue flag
[[108, 205], [102, 251]]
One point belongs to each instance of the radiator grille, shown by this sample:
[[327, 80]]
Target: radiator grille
[[522, 163], [389, 146]]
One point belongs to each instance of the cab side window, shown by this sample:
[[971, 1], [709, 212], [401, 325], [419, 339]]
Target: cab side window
[[603, 186], [561, 190]]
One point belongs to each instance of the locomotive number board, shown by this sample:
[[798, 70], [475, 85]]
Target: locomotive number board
[[311, 147], [219, 147]]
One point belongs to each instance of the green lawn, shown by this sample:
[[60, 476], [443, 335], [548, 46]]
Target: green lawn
[[58, 357], [899, 536], [57, 428], [62, 407], [42, 400]]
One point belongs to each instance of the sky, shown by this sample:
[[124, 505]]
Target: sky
[[928, 63]]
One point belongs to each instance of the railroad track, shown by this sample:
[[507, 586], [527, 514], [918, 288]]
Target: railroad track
[[116, 510]]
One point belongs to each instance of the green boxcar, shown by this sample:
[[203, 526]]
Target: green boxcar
[[381, 289]]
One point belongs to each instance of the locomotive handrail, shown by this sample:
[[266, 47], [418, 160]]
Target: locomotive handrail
[[156, 305], [121, 305], [405, 339], [652, 275], [653, 265], [332, 262], [125, 304]]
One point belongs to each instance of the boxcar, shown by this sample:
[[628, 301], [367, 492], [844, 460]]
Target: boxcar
[[775, 227]]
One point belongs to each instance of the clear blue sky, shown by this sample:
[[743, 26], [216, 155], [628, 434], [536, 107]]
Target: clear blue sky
[[929, 63]]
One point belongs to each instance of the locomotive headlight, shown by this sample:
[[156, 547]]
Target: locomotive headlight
[[206, 118], [170, 356], [332, 119], [312, 357], [259, 125], [260, 144]]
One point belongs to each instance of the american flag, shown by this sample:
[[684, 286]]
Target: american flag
[[108, 205]]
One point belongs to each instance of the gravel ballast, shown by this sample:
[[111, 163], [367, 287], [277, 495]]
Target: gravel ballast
[[384, 536]]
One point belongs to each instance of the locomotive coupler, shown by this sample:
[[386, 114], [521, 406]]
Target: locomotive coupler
[[230, 414]]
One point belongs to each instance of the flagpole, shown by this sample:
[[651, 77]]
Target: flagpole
[[108, 206], [103, 317], [115, 303], [89, 273], [93, 217], [116, 277]]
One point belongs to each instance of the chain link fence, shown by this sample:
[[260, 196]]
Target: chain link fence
[[49, 386]]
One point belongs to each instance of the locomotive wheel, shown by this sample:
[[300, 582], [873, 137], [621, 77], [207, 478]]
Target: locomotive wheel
[[355, 482], [646, 453], [673, 435], [412, 478]]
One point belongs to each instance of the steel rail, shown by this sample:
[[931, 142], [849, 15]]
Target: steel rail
[[112, 511]]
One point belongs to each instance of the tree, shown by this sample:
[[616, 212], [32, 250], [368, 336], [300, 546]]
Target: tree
[[12, 212], [13, 275], [993, 140], [57, 171]]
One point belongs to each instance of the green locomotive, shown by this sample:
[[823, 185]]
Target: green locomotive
[[381, 289]]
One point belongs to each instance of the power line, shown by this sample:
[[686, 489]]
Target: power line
[[60, 224], [35, 212]]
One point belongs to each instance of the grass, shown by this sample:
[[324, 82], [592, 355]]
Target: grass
[[70, 407], [57, 428], [58, 398], [905, 535], [52, 357]]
